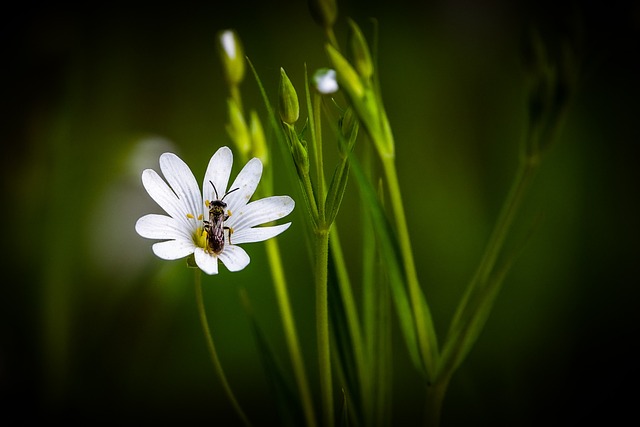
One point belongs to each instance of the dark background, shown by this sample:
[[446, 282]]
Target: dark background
[[94, 327]]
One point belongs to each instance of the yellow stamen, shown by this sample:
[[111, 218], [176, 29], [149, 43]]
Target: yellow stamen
[[200, 238], [190, 216], [200, 217]]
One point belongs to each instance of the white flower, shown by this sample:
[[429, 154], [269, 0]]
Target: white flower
[[228, 40], [183, 231], [326, 81]]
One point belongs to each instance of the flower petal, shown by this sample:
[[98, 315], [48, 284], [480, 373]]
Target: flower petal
[[207, 262], [246, 183], [173, 249], [162, 194], [153, 226], [260, 211], [182, 181], [234, 258], [217, 172], [258, 234]]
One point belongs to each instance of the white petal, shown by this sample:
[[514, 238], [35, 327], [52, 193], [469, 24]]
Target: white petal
[[217, 172], [173, 249], [234, 258], [161, 193], [258, 234], [246, 183], [155, 226], [207, 262], [228, 43], [182, 181], [260, 212]]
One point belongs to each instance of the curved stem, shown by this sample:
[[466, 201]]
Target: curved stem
[[277, 274], [423, 321], [212, 349]]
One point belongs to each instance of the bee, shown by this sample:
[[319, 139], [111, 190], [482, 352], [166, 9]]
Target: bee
[[215, 225]]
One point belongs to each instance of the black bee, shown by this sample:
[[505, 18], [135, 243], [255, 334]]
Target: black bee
[[215, 225]]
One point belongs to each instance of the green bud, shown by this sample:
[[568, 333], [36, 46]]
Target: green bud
[[237, 128], [259, 145], [349, 126], [324, 12], [347, 76], [300, 156], [360, 50], [288, 100], [232, 56]]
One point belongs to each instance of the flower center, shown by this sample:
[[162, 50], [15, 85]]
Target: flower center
[[200, 238]]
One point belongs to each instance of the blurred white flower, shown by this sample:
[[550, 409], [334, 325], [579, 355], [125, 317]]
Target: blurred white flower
[[184, 231], [326, 81], [228, 40]]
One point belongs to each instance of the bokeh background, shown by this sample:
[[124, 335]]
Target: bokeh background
[[93, 327]]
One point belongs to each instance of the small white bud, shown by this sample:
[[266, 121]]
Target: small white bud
[[326, 81]]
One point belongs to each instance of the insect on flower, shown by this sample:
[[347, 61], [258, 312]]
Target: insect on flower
[[215, 227], [184, 231]]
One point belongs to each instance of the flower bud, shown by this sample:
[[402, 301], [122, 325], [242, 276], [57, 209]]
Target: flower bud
[[259, 143], [325, 81], [360, 50], [232, 56], [288, 100], [300, 156], [347, 76], [237, 128], [349, 126], [324, 12]]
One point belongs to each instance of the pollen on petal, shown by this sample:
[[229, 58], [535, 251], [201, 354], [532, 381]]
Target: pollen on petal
[[190, 216]]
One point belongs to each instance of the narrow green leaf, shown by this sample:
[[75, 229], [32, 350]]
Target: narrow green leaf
[[342, 339], [344, 412], [478, 305], [390, 252], [336, 190]]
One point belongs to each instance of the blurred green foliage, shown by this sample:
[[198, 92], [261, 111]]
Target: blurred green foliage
[[95, 327]]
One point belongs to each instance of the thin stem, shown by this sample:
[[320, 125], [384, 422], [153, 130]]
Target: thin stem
[[351, 311], [279, 282], [521, 181], [234, 91], [435, 397], [331, 36], [212, 349], [423, 321], [456, 345], [322, 325], [452, 356]]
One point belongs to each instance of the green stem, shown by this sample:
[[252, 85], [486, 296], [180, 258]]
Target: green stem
[[279, 281], [351, 311], [455, 350], [435, 397], [457, 343], [235, 95], [212, 349], [424, 324], [322, 325], [521, 181]]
